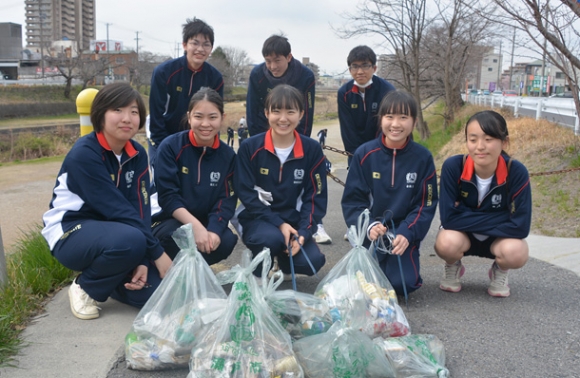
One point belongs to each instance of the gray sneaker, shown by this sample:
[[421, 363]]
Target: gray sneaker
[[81, 305], [451, 281], [498, 287]]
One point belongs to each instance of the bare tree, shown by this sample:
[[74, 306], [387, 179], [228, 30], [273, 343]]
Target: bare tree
[[238, 59], [402, 24], [554, 27], [453, 44], [142, 71], [73, 64]]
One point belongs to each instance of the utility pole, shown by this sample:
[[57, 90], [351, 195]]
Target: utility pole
[[498, 65], [107, 24], [512, 61], [137, 42], [107, 51], [541, 92]]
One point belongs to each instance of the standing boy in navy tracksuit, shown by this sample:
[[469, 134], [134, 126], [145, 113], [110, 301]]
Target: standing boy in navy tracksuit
[[175, 81], [281, 182], [394, 178], [279, 67], [359, 99]]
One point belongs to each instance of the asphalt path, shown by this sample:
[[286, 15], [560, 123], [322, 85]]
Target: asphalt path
[[533, 333]]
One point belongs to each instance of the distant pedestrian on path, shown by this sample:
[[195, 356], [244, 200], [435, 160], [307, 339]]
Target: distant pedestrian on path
[[99, 221], [322, 137], [395, 178], [485, 206], [230, 137]]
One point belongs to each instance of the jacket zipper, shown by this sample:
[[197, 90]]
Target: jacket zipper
[[199, 166], [393, 168], [121, 169]]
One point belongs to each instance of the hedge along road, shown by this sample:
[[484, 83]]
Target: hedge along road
[[26, 188]]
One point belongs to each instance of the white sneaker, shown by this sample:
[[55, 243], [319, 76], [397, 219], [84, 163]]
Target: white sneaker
[[498, 287], [82, 306], [321, 237]]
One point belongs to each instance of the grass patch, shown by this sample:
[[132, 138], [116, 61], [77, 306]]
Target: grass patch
[[24, 121], [33, 274]]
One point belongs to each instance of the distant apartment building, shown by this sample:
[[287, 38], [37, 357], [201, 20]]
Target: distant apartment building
[[59, 20], [10, 49]]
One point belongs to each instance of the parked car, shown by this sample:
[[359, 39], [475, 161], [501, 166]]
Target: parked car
[[485, 92], [497, 93], [562, 95], [510, 93]]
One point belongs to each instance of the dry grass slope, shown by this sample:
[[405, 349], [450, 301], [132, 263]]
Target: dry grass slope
[[542, 147]]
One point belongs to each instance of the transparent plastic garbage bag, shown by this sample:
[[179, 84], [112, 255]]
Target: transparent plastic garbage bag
[[189, 299], [247, 341], [357, 277]]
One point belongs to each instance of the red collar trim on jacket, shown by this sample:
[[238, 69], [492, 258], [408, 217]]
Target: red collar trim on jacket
[[500, 172], [191, 68], [398, 148], [298, 149], [129, 149], [216, 140]]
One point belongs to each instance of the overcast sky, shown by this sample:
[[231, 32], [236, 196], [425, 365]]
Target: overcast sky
[[243, 24]]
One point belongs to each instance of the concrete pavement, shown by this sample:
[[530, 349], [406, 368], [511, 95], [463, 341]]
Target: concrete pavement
[[535, 332]]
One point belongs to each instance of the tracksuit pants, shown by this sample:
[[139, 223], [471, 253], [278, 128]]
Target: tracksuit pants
[[164, 230], [259, 234], [106, 253]]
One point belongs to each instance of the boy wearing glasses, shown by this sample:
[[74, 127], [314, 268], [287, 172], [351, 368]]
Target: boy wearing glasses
[[359, 99], [279, 67], [175, 81]]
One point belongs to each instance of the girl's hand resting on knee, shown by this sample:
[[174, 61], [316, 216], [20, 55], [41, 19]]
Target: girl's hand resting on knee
[[139, 279]]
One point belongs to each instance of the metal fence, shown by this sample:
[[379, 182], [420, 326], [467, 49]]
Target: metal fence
[[558, 110]]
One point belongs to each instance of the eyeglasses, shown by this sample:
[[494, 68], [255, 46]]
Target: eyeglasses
[[356, 67], [196, 44]]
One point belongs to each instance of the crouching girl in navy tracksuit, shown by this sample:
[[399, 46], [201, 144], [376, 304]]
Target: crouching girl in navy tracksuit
[[394, 178], [194, 181], [99, 222], [281, 182], [485, 207]]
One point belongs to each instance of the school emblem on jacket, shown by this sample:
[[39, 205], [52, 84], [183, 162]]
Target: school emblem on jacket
[[374, 107], [298, 176], [129, 178], [214, 177], [496, 201], [411, 178]]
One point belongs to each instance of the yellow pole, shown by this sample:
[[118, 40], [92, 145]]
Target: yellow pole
[[84, 103]]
